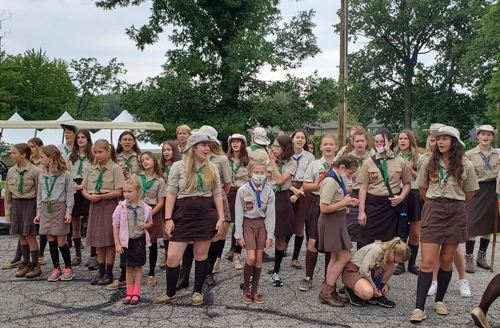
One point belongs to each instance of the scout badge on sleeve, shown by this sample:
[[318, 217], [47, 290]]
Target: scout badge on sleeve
[[374, 175]]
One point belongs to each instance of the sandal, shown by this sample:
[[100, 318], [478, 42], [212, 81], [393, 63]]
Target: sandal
[[127, 299], [135, 301], [76, 261]]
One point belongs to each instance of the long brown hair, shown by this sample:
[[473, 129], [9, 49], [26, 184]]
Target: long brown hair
[[243, 156], [58, 164], [135, 147], [456, 166], [286, 143], [156, 166], [176, 155], [104, 144], [73, 157], [413, 147], [305, 135]]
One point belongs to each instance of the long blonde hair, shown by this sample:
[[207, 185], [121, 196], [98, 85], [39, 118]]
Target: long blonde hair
[[209, 173], [216, 149], [428, 147], [104, 144], [58, 164], [401, 250]]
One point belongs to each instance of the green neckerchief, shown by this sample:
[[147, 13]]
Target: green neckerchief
[[199, 184], [360, 161], [99, 179], [146, 185], [37, 164], [405, 156], [442, 178], [67, 150], [384, 168], [167, 170], [49, 190], [20, 187], [234, 170], [127, 161], [255, 147], [212, 157], [280, 169], [80, 168]]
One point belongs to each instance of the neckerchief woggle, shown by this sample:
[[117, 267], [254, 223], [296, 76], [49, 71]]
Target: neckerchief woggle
[[257, 192]]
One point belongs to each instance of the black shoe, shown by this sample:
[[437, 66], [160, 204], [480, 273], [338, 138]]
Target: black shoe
[[94, 265], [400, 268], [209, 280], [285, 251], [267, 258], [414, 269], [353, 298], [242, 285], [382, 301], [182, 283]]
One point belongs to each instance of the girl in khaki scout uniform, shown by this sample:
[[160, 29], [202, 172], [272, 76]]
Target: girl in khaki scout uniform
[[312, 180], [128, 153], [153, 193], [300, 199], [79, 162], [21, 189], [362, 151], [333, 236], [412, 205], [238, 160], [481, 208], [183, 132], [55, 201], [169, 155], [193, 212], [102, 185], [446, 181], [366, 276], [377, 215], [350, 145]]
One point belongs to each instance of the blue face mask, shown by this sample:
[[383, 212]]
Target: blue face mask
[[258, 179]]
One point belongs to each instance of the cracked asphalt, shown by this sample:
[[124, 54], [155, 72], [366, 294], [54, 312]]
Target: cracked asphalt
[[28, 303]]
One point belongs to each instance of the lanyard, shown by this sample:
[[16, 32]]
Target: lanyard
[[340, 181], [233, 177], [127, 161], [199, 184], [99, 180], [49, 191], [441, 178], [20, 186], [80, 168], [146, 185], [296, 161], [257, 192], [327, 168], [378, 282]]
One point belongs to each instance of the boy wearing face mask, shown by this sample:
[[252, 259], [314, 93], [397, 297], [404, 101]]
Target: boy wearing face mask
[[254, 224]]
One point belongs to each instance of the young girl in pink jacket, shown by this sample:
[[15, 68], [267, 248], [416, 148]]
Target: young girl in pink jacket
[[130, 220]]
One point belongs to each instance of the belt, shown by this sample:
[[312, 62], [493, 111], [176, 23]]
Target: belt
[[444, 200], [297, 184]]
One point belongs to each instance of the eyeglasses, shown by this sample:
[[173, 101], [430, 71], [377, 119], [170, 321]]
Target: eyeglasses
[[277, 147]]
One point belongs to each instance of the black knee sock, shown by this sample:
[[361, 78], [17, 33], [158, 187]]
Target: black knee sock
[[54, 254], [25, 249], [66, 256], [43, 245], [165, 244], [297, 246], [469, 247], [491, 293], [109, 269], [414, 253], [423, 284], [172, 275], [78, 246], [153, 257], [102, 269], [34, 256], [93, 251], [200, 273], [222, 243], [358, 245], [287, 239], [187, 261], [19, 253], [306, 231], [238, 249], [212, 256], [444, 278], [233, 240], [278, 257], [123, 273], [483, 244]]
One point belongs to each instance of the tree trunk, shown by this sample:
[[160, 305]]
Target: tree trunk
[[408, 97]]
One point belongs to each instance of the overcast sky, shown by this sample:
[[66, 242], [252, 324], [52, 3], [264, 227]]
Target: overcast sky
[[72, 29]]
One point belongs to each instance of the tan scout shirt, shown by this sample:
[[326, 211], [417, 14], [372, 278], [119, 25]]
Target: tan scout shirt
[[134, 231], [241, 176], [304, 159], [369, 257], [449, 188], [156, 191], [256, 152], [177, 183], [290, 166], [74, 167], [331, 192], [421, 160], [112, 178], [315, 171], [222, 164], [361, 161], [396, 169], [134, 164], [484, 174], [30, 185]]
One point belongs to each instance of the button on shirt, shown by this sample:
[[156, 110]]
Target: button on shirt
[[177, 183], [112, 178], [289, 166], [246, 206], [483, 173], [367, 154], [30, 185], [450, 188], [315, 171], [62, 192]]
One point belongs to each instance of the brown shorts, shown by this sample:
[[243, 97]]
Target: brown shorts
[[254, 233], [351, 275]]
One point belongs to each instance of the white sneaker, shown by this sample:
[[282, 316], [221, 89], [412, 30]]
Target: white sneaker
[[464, 288], [433, 289]]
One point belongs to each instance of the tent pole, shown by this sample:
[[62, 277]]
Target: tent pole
[[111, 135]]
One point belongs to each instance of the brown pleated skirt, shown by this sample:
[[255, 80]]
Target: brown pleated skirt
[[381, 218], [82, 204], [195, 219], [444, 222], [312, 221], [156, 231], [412, 205], [285, 220], [231, 200], [254, 233], [332, 232], [100, 223], [22, 214], [301, 206], [225, 204], [353, 226], [481, 210], [53, 223]]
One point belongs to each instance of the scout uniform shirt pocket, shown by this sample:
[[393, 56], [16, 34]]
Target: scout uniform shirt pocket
[[107, 183], [13, 184], [374, 173], [394, 174], [250, 202]]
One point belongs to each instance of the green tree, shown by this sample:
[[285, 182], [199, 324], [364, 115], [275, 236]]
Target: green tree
[[211, 77]]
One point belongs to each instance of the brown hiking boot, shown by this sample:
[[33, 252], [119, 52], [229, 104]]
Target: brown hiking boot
[[34, 271], [326, 295], [481, 260], [23, 270], [164, 263], [469, 263]]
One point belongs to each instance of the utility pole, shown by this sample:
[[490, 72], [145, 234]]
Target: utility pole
[[343, 74], [1, 20]]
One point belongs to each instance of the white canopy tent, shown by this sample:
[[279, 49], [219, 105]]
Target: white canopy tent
[[54, 136], [13, 136]]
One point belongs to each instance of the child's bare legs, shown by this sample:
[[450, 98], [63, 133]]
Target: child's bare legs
[[337, 263]]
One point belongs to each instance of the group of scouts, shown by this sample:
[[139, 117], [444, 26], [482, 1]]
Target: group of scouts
[[270, 192]]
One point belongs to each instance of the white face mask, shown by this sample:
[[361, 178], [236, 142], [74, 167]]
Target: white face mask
[[258, 179], [381, 149]]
